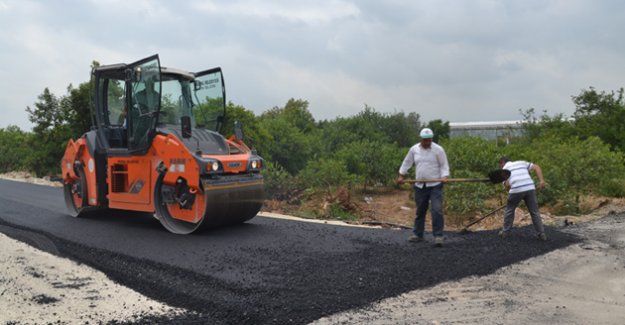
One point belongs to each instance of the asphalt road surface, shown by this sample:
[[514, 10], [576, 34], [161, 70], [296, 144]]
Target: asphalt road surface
[[265, 271]]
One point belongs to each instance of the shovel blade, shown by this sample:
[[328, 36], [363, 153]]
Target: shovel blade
[[499, 176]]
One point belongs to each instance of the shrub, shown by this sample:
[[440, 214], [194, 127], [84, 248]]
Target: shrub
[[339, 212], [375, 162], [325, 174], [471, 154], [279, 184], [14, 148], [463, 198], [574, 167]]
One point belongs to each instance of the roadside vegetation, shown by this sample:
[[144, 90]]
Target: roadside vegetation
[[315, 167]]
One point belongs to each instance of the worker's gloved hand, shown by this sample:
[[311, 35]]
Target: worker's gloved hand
[[400, 179]]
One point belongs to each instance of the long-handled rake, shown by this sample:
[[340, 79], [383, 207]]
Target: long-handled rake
[[466, 228]]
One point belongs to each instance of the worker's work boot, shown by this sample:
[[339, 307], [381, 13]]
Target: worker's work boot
[[503, 234], [415, 239], [438, 241], [541, 236]]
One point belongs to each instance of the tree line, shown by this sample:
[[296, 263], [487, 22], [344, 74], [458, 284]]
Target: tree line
[[580, 155]]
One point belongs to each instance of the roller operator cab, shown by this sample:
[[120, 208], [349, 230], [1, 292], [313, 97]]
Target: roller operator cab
[[156, 147]]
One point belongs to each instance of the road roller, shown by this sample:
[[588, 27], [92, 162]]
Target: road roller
[[156, 147]]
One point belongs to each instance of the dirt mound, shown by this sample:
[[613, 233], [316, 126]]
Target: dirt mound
[[396, 209]]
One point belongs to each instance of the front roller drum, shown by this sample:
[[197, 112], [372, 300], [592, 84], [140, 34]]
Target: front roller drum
[[223, 203]]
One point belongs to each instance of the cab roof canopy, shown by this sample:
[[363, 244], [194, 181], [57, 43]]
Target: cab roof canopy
[[118, 71]]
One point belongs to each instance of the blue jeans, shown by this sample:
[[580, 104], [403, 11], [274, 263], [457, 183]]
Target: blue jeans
[[423, 197]]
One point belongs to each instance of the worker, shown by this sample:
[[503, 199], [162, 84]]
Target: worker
[[430, 162], [148, 98], [122, 119], [521, 187]]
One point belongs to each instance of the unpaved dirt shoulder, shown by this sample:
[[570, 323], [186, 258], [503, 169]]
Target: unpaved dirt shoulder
[[37, 287], [581, 284], [28, 178]]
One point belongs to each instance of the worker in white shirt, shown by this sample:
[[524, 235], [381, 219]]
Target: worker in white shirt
[[430, 162], [521, 187]]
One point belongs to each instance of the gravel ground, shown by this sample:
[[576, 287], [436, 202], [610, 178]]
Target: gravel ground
[[299, 291], [37, 287], [580, 284]]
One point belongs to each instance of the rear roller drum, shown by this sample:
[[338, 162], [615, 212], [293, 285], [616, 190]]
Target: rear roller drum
[[170, 213], [76, 194]]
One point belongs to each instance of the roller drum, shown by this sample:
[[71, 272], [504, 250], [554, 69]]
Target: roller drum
[[227, 200], [234, 201]]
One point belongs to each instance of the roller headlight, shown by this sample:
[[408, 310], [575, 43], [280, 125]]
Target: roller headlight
[[255, 164], [212, 166]]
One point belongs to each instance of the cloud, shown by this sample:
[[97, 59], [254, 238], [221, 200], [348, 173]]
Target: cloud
[[308, 13], [453, 60]]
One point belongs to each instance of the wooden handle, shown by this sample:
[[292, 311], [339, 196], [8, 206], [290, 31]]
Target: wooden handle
[[434, 180]]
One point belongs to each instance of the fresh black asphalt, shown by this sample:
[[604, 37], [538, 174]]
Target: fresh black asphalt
[[266, 271]]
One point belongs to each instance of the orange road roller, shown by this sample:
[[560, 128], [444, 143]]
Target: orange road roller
[[155, 147]]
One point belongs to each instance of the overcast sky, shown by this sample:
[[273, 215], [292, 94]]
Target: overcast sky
[[459, 61]]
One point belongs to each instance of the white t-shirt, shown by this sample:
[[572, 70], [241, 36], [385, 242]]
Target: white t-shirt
[[520, 179], [430, 163]]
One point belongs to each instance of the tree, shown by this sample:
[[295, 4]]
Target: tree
[[372, 162], [296, 112], [575, 167], [471, 155], [601, 114], [51, 131], [402, 129], [398, 129], [14, 148], [325, 174], [47, 113], [77, 105], [289, 139], [289, 146], [256, 136], [545, 125], [76, 109], [73, 110]]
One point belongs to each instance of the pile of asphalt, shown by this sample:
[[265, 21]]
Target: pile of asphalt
[[300, 288]]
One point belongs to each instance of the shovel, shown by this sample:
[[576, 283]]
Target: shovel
[[496, 176]]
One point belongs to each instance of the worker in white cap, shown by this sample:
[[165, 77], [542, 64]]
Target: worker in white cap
[[430, 162]]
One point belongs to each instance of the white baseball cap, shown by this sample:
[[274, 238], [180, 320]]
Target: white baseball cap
[[426, 134]]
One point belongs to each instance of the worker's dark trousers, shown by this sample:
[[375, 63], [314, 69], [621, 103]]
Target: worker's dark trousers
[[423, 197], [532, 205]]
